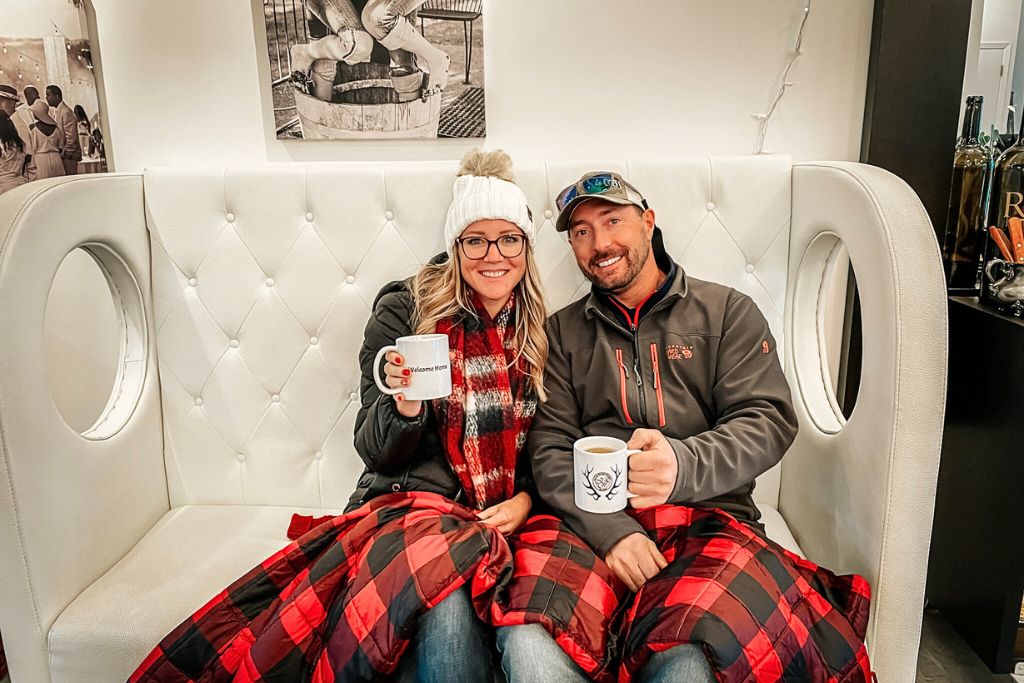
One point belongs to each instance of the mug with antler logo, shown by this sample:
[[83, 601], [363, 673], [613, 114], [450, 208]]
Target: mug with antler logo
[[600, 473]]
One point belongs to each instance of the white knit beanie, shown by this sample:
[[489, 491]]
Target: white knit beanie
[[485, 189]]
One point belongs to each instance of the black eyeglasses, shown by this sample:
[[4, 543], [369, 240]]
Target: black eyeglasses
[[476, 247]]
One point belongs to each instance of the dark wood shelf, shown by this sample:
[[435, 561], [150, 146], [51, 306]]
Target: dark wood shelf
[[976, 567]]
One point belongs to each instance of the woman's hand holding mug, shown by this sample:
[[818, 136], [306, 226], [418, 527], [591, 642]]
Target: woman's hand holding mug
[[417, 369], [397, 377]]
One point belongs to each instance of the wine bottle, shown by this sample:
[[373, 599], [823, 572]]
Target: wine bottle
[[964, 234], [1009, 136], [1009, 114], [1007, 197]]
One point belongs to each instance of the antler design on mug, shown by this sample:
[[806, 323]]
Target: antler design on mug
[[589, 485], [617, 471]]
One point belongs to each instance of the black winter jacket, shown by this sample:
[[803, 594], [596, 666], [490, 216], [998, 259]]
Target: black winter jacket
[[400, 453]]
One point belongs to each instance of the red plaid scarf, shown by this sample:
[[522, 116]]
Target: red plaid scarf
[[483, 423], [339, 604]]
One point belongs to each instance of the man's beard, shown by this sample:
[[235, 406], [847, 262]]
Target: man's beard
[[635, 260]]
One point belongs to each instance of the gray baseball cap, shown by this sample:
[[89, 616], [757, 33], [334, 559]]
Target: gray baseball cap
[[604, 185]]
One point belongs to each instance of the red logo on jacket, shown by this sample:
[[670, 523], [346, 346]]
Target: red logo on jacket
[[764, 347], [678, 351]]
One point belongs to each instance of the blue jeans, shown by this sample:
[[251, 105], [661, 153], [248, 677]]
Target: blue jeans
[[450, 645], [529, 653]]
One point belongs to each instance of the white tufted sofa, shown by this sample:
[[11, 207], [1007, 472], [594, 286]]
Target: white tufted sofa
[[242, 296]]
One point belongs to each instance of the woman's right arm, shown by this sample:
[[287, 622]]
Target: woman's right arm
[[385, 439]]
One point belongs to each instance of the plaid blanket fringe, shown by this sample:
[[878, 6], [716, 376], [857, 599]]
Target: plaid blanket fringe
[[341, 603]]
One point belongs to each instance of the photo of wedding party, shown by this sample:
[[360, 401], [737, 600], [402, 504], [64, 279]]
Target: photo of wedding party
[[50, 118]]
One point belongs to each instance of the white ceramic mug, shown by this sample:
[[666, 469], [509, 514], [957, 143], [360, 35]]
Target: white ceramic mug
[[426, 356], [601, 473]]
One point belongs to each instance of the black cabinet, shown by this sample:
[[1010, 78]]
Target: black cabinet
[[976, 567]]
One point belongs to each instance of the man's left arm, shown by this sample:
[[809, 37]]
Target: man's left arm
[[755, 425]]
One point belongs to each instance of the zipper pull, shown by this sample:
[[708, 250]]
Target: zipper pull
[[636, 371]]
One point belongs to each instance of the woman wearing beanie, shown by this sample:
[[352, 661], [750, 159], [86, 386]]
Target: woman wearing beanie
[[484, 293], [398, 588]]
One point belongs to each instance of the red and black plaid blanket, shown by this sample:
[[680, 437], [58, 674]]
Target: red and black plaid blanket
[[341, 603]]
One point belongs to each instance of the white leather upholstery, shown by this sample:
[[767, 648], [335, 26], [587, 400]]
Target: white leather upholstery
[[100, 636], [861, 499], [260, 281], [70, 507], [116, 621]]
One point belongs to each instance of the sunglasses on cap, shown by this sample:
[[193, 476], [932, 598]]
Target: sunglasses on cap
[[597, 184]]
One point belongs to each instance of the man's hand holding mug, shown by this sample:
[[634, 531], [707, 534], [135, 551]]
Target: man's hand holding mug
[[650, 468]]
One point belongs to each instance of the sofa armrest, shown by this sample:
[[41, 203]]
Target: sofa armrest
[[71, 505], [859, 494]]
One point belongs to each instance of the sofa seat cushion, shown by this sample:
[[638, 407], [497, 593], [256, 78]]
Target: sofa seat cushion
[[189, 556], [777, 529]]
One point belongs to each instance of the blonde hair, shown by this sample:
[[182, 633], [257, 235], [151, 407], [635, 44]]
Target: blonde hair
[[439, 292]]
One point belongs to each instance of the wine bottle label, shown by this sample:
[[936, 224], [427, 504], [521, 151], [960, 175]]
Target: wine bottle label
[[1013, 202]]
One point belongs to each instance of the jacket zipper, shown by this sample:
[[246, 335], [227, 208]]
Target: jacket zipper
[[634, 324], [622, 385], [636, 372], [657, 385]]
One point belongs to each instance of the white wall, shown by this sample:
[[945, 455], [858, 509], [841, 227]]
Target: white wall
[[185, 81], [1000, 20], [1018, 74], [971, 65], [992, 21], [31, 18]]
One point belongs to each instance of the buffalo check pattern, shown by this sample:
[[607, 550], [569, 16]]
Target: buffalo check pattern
[[760, 612], [341, 602]]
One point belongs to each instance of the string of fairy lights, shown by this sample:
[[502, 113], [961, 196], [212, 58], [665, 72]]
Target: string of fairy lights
[[29, 67], [785, 84]]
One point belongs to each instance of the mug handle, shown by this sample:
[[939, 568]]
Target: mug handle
[[384, 389], [995, 263], [629, 452]]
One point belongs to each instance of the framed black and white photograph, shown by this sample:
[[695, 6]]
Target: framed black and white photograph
[[50, 94], [376, 69]]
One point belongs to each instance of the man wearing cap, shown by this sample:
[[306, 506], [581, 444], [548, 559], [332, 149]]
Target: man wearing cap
[[682, 369]]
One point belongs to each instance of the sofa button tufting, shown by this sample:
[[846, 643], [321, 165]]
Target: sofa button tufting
[[389, 216], [314, 341], [353, 397], [270, 282], [350, 279], [710, 206], [192, 282], [309, 217], [230, 218], [319, 455], [234, 343], [276, 398], [240, 457], [548, 213], [199, 401], [750, 267]]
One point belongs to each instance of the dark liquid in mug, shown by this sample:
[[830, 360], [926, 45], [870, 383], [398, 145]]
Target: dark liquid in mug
[[600, 449]]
